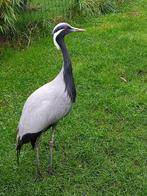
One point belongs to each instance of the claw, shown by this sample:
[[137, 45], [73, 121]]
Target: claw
[[50, 171], [38, 177]]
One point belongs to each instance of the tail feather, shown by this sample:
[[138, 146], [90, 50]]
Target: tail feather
[[18, 145], [18, 148], [18, 154]]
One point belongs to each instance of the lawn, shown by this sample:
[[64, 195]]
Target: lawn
[[101, 145]]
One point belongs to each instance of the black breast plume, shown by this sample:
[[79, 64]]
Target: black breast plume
[[69, 83]]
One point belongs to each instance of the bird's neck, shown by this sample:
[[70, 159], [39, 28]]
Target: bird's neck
[[68, 76]]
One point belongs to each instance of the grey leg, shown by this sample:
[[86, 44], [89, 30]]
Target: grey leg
[[37, 159], [51, 145]]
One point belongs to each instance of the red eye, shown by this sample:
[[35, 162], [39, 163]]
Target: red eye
[[66, 29]]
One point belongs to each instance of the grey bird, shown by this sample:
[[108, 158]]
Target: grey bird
[[50, 103]]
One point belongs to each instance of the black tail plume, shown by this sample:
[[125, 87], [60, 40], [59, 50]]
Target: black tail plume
[[18, 154], [18, 148]]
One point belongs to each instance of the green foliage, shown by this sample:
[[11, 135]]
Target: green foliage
[[90, 7], [8, 15], [94, 7], [108, 6]]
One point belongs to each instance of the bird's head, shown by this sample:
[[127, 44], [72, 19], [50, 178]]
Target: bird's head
[[62, 29]]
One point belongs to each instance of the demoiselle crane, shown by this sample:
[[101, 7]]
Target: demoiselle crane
[[47, 105]]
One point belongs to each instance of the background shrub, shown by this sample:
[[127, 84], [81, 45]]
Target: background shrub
[[8, 11], [94, 7]]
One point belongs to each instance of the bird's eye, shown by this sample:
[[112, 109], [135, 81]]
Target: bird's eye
[[66, 28]]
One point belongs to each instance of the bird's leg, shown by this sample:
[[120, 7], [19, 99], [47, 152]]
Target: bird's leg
[[37, 159], [51, 145]]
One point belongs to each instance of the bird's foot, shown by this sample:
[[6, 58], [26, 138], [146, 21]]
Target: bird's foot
[[38, 177], [50, 171], [56, 147]]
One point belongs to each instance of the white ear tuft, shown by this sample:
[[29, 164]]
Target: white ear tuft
[[54, 38]]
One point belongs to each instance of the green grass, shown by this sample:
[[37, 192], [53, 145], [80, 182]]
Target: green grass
[[101, 145]]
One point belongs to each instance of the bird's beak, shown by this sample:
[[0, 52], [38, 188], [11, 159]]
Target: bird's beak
[[78, 30]]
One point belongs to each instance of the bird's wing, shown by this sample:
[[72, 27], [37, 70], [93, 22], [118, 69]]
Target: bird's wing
[[44, 107]]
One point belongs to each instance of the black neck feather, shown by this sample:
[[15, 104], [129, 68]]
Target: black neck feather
[[68, 75]]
